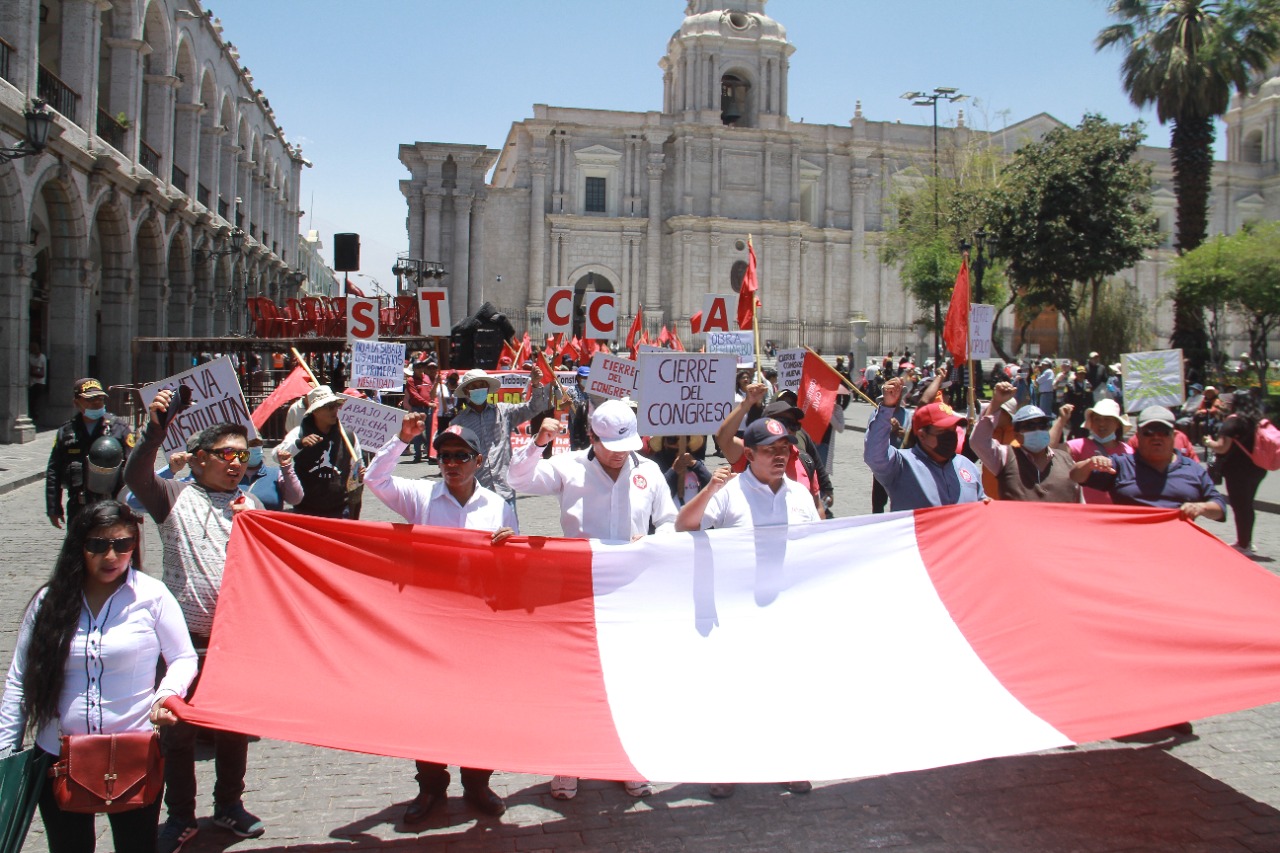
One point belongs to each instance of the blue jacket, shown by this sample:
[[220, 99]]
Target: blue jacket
[[911, 478]]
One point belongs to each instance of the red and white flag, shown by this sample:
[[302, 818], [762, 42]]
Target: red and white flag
[[829, 650], [819, 387]]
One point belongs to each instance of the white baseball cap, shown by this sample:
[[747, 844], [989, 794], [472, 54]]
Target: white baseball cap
[[614, 424]]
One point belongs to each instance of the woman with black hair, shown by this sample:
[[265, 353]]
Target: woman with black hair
[[1234, 446], [85, 663]]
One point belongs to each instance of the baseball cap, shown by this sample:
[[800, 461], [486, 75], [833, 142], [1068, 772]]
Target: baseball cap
[[765, 431], [935, 414], [614, 424], [584, 370], [780, 408], [1156, 415], [1029, 413], [464, 434], [88, 388]]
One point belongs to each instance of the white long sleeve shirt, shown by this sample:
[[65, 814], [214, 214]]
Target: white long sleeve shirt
[[744, 501], [592, 504], [108, 684], [422, 502]]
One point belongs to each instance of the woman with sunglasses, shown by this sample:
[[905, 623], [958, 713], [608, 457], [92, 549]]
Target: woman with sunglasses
[[86, 659]]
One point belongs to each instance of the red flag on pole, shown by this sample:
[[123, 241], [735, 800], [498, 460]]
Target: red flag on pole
[[637, 327], [572, 349], [508, 354], [676, 343], [819, 385], [352, 290], [295, 385], [548, 375], [695, 323], [747, 292], [955, 332], [664, 336]]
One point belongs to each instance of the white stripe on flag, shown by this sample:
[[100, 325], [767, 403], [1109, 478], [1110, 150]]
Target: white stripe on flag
[[817, 652]]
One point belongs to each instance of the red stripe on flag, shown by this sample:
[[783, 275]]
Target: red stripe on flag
[[1143, 622], [384, 638]]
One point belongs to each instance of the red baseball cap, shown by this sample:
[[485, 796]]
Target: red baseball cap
[[936, 414]]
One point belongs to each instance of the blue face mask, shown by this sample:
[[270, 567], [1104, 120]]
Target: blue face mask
[[1103, 439], [478, 396], [255, 457], [1035, 440], [96, 414]]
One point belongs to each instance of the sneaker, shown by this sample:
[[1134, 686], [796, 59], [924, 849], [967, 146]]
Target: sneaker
[[800, 787], [174, 833], [564, 787], [1246, 550], [721, 790], [639, 789], [238, 819]]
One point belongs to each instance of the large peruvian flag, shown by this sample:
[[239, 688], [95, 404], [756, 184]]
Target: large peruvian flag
[[831, 650]]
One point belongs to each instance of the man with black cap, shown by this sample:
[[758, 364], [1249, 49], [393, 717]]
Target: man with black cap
[[456, 500], [70, 466], [931, 472]]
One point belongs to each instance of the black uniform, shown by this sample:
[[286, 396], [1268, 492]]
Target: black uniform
[[70, 456]]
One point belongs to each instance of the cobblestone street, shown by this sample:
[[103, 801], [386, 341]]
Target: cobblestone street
[[1217, 790]]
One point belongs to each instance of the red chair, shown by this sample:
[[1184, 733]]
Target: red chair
[[293, 316], [265, 323], [338, 316], [281, 325], [406, 315], [315, 320], [386, 321]]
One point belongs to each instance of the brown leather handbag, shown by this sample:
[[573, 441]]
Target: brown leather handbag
[[104, 774]]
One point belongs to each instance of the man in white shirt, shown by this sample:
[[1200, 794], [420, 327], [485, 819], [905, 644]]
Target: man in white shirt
[[456, 500], [761, 496], [608, 492]]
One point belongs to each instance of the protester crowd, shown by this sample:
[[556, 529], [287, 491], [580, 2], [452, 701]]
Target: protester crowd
[[91, 638]]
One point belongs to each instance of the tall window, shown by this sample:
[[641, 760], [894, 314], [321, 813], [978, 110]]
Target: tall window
[[595, 195]]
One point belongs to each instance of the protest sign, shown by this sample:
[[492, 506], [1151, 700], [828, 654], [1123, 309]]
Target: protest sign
[[362, 319], [1152, 379], [433, 311], [216, 398], [981, 319], [741, 344], [378, 366], [602, 316], [790, 364], [373, 423], [612, 377], [558, 316], [685, 393], [716, 311]]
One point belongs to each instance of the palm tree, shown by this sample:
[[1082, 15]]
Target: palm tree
[[1186, 56]]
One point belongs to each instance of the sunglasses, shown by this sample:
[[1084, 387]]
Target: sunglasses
[[1028, 426], [100, 545], [456, 457], [230, 454], [1155, 430]]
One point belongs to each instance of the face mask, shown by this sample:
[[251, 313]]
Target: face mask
[[479, 396], [96, 414], [1035, 440], [255, 457], [946, 444], [1103, 439]]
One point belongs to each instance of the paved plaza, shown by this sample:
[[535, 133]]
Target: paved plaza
[[1217, 790]]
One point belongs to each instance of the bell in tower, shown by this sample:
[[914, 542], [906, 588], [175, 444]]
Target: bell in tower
[[733, 98]]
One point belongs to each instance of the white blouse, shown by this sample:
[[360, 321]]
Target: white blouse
[[109, 684]]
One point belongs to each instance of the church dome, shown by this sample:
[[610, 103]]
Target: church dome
[[742, 19]]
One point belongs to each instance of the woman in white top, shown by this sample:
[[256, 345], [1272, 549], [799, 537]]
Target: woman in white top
[[85, 663]]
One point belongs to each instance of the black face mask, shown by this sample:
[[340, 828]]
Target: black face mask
[[946, 444]]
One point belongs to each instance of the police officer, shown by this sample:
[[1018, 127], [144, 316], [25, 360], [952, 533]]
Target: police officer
[[79, 463]]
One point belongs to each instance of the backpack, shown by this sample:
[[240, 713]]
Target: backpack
[[1266, 446]]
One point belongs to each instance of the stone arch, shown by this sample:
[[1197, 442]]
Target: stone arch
[[186, 118], [590, 278], [206, 189], [153, 292], [184, 301], [116, 302], [221, 283], [156, 95], [738, 97], [1251, 146]]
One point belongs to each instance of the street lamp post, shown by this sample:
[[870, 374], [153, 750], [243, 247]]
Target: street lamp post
[[930, 99], [979, 268]]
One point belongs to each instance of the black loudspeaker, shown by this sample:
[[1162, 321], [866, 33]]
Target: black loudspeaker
[[486, 348], [346, 252]]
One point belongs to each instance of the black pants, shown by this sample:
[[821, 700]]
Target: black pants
[[1242, 485], [69, 832], [879, 496], [433, 778]]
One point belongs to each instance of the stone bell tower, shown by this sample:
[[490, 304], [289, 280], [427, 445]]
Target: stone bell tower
[[727, 64]]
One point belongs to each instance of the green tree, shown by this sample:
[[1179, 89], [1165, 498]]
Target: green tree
[[1185, 57], [1074, 209], [1241, 272]]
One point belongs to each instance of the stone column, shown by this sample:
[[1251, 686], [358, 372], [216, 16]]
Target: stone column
[[653, 234], [461, 272], [683, 297], [479, 280], [557, 244], [125, 91], [714, 282], [221, 281], [413, 196], [210, 163], [793, 209], [71, 283], [828, 283], [202, 302], [79, 56], [856, 303], [159, 90], [715, 174], [431, 204], [16, 426], [766, 199], [795, 286], [537, 230]]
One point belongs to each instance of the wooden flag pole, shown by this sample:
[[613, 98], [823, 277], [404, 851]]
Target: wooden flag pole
[[972, 412], [315, 382], [844, 379], [755, 318]]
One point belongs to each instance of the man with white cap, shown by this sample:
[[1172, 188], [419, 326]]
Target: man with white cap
[[1032, 470], [493, 423], [321, 458], [607, 492]]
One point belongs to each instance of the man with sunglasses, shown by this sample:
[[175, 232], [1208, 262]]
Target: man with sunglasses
[[1157, 475], [194, 518], [1032, 470], [456, 500]]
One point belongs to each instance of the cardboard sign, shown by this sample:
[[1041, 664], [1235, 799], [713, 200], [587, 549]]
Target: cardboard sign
[[612, 377], [741, 344], [433, 311], [790, 364], [716, 311], [1152, 379], [602, 316], [377, 366], [685, 393], [981, 320], [372, 422], [216, 398], [362, 319], [558, 311]]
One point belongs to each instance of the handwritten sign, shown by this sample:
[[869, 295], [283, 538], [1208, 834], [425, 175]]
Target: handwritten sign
[[612, 377], [685, 393], [216, 398], [981, 320], [372, 422], [1152, 379], [378, 366], [741, 344], [790, 365]]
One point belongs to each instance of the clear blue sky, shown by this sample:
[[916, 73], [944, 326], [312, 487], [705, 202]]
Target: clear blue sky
[[352, 81]]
